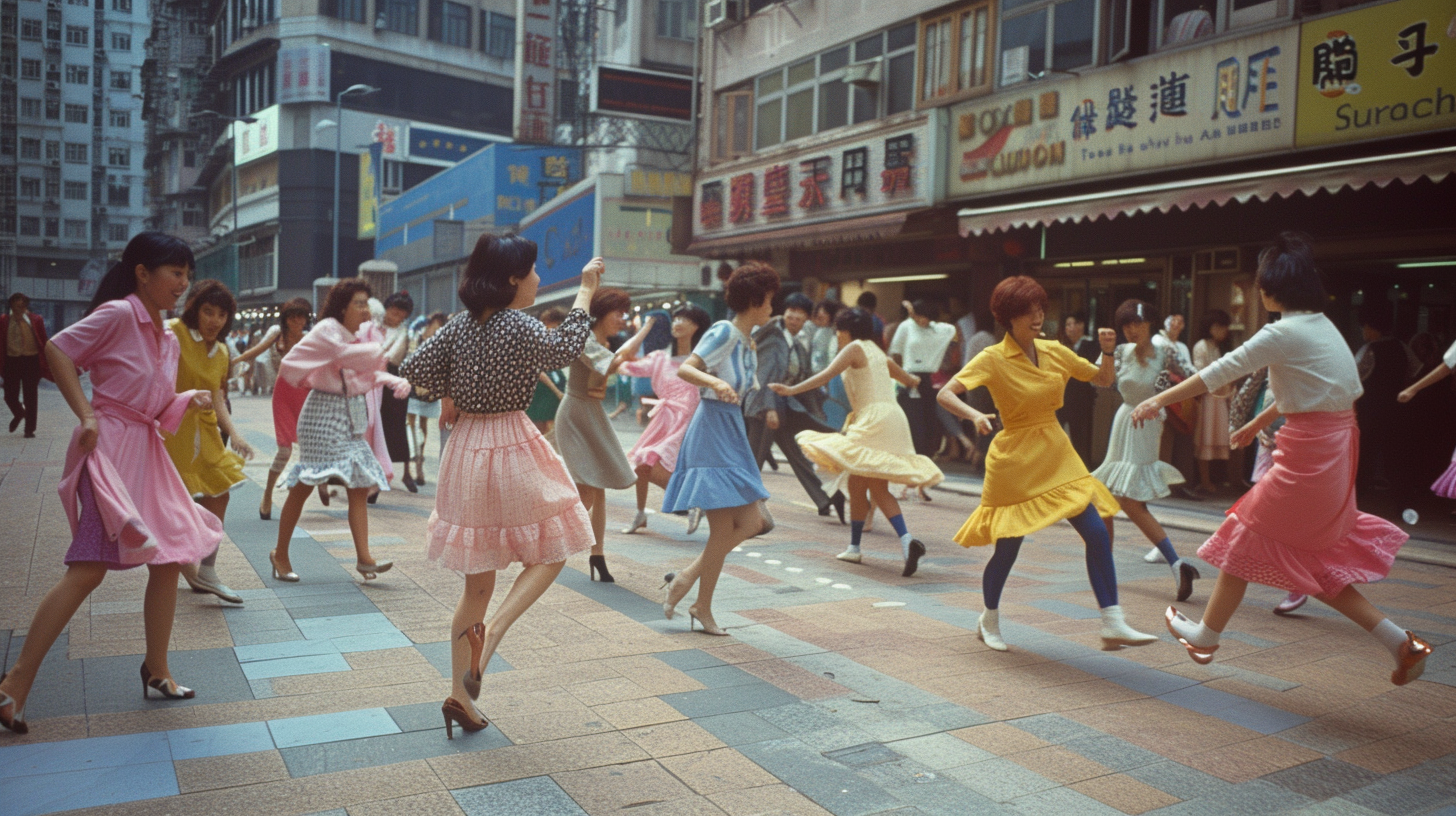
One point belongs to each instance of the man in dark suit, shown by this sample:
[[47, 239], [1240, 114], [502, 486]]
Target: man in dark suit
[[25, 362], [1077, 402], [784, 357]]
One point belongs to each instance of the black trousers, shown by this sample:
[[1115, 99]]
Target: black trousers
[[393, 417], [22, 386], [761, 437], [919, 408]]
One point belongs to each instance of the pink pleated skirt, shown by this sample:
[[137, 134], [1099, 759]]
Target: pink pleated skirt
[[503, 496], [1445, 487], [1298, 529]]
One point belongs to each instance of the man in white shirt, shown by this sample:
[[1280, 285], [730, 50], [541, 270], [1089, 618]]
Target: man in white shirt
[[919, 347]]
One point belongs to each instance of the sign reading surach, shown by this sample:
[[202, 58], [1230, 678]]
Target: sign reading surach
[[1231, 98], [535, 91], [1377, 72]]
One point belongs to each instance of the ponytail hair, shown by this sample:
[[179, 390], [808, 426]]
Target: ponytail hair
[[148, 249], [1287, 273]]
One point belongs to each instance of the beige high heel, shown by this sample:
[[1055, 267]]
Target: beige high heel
[[371, 571], [278, 573], [710, 626]]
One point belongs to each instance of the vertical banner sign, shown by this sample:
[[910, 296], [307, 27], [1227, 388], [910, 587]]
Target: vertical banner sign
[[535, 98], [371, 188], [303, 74]]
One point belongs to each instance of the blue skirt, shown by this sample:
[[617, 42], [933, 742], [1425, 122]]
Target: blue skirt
[[715, 468]]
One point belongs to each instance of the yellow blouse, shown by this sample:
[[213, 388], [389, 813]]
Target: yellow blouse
[[1034, 477], [206, 466]]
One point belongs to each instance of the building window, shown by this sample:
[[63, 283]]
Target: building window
[[78, 35], [117, 233], [78, 74], [30, 69], [29, 225], [52, 150], [402, 16], [77, 114], [121, 80], [192, 215], [1034, 30], [733, 125], [677, 19], [393, 177], [118, 156], [450, 23], [120, 42], [29, 108], [498, 35], [119, 5], [254, 90], [29, 148], [118, 195], [29, 187], [119, 118], [348, 10], [7, 144], [954, 58], [78, 153], [29, 29], [76, 230], [86, 3], [75, 191], [53, 109], [53, 228]]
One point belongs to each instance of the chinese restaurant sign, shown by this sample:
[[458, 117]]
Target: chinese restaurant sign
[[1381, 71], [535, 90], [1231, 98], [827, 182], [303, 74]]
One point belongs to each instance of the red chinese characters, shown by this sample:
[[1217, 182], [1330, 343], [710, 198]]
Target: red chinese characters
[[776, 191], [740, 199], [816, 175], [710, 211]]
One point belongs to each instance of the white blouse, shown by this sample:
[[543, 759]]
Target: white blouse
[[1310, 366]]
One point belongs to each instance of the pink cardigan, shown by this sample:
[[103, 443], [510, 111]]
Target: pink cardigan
[[330, 358]]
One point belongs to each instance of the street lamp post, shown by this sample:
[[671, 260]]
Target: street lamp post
[[233, 137], [352, 90]]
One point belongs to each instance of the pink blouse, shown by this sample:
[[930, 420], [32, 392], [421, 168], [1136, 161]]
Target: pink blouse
[[330, 358]]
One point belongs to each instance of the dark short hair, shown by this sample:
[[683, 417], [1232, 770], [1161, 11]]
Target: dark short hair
[[749, 285], [1287, 274], [401, 300], [1133, 311], [150, 250], [1079, 315], [494, 261], [608, 300], [1377, 316], [700, 318], [554, 315], [210, 293], [437, 317], [858, 323], [1211, 318], [340, 294], [926, 308], [830, 307], [800, 301], [293, 308], [1016, 296], [21, 296], [867, 301]]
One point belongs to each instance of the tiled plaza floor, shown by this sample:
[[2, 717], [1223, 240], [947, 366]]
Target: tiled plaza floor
[[843, 688]]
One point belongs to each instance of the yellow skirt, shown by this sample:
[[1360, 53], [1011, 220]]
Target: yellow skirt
[[875, 444], [206, 466], [1034, 478]]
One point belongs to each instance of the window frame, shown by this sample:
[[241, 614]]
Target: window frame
[[117, 83], [686, 19], [395, 11], [1100, 27], [488, 28], [77, 114], [82, 156], [38, 65], [113, 115], [725, 140], [955, 16], [78, 74], [120, 37], [114, 152], [82, 35]]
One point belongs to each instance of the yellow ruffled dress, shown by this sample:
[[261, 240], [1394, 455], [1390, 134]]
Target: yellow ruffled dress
[[876, 441], [205, 464], [1034, 477]]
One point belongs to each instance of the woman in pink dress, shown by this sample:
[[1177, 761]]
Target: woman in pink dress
[[132, 359], [287, 397], [1298, 529], [503, 495], [655, 454]]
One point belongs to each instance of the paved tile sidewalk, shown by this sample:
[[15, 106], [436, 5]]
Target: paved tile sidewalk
[[844, 689]]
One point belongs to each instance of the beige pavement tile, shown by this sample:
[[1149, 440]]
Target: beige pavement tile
[[796, 680], [420, 672], [1125, 793], [1068, 697], [1060, 764], [438, 803], [1000, 739], [519, 761], [1405, 751], [724, 769], [1251, 759], [634, 713], [212, 773], [404, 656], [770, 800], [634, 786], [611, 690], [738, 653], [1170, 730], [673, 738], [552, 725]]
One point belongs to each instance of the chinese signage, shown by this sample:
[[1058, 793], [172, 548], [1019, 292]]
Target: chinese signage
[[565, 239], [831, 181], [1381, 71], [371, 189], [428, 143], [637, 231], [1232, 98], [258, 139], [535, 91], [303, 74], [644, 93], [529, 179], [394, 136]]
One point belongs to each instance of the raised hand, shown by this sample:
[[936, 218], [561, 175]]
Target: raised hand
[[202, 401], [591, 274], [1107, 338]]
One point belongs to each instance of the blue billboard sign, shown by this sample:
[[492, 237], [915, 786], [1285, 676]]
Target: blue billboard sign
[[438, 144], [565, 239]]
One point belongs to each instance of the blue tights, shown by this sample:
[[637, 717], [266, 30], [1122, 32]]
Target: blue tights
[[1100, 571]]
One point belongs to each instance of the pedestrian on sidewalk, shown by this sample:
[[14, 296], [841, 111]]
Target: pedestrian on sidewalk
[[717, 471], [24, 363], [654, 457], [1211, 435], [1034, 477], [208, 469], [550, 388], [393, 409], [287, 400], [1132, 470], [919, 347], [340, 369], [1308, 496], [125, 502], [876, 446], [584, 435], [1079, 403], [504, 495], [1445, 485]]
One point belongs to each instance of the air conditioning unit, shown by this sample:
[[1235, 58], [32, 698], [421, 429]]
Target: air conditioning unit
[[864, 74], [719, 14]]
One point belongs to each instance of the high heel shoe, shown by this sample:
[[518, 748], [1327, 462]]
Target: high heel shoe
[[669, 606], [639, 522], [1187, 574], [475, 636], [409, 481], [710, 626], [455, 714], [695, 517], [278, 573], [1412, 660], [988, 628], [371, 571], [598, 567], [167, 686], [1202, 655], [16, 722]]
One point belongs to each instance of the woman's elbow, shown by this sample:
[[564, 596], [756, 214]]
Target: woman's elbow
[[947, 395]]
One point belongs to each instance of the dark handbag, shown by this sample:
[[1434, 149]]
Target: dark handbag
[[1182, 416]]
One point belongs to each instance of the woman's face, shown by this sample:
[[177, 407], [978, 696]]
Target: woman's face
[[821, 318], [526, 289], [393, 316], [296, 322], [162, 287], [759, 315], [357, 312], [1029, 324], [843, 337], [1074, 328], [1218, 332], [1139, 332], [612, 323], [210, 320], [683, 327]]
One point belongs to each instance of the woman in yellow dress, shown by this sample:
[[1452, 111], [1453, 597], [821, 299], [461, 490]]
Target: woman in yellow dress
[[208, 469], [1034, 477], [875, 447]]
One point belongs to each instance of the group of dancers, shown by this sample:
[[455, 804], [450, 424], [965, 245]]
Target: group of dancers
[[506, 496]]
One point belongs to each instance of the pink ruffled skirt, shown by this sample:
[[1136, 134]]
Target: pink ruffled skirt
[[1445, 487], [503, 496], [1298, 528], [661, 441]]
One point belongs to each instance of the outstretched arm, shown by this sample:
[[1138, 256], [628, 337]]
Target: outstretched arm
[[629, 348], [1437, 374], [1246, 434], [949, 398], [694, 371], [259, 347], [846, 357], [902, 376]]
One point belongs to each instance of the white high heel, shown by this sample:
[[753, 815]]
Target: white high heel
[[638, 523], [695, 517], [371, 571], [989, 629]]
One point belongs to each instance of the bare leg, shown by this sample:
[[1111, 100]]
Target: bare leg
[[660, 476], [859, 498], [359, 523], [216, 505], [1354, 606], [595, 501], [882, 497], [159, 609], [469, 611], [1143, 518], [1228, 593], [643, 482], [727, 528], [265, 506], [528, 588], [55, 611], [292, 509]]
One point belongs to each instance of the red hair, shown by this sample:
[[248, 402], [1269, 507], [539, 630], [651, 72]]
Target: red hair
[[1016, 296]]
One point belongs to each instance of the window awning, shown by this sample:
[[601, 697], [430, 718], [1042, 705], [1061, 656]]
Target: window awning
[[1434, 164], [826, 233]]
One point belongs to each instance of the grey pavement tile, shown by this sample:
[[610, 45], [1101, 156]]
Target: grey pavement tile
[[262, 620], [802, 718], [43, 758], [1000, 780], [337, 727], [940, 751], [1180, 780], [688, 659], [777, 643], [706, 702], [863, 755], [1262, 718], [1152, 682], [1202, 699], [938, 588], [1115, 753], [1061, 801], [387, 749], [417, 717], [60, 688], [617, 598], [334, 812], [927, 791], [741, 728], [1244, 637], [1054, 728], [283, 649], [723, 676], [345, 625], [293, 666], [262, 689], [1065, 609], [114, 683], [831, 785], [947, 716], [1037, 642], [1104, 665], [1337, 807], [253, 638], [1449, 810], [1323, 778], [1252, 798], [329, 606], [372, 642], [537, 795], [438, 653], [1399, 795]]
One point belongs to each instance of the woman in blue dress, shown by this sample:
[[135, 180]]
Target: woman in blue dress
[[716, 468]]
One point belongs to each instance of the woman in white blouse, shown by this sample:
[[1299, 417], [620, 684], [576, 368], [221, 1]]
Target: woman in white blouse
[[1211, 437], [1298, 529]]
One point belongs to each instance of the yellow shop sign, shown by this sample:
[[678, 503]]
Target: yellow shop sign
[[1377, 72]]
